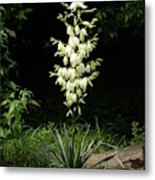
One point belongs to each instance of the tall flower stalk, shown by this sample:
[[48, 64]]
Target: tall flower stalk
[[77, 72]]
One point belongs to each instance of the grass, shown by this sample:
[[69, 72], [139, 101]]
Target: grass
[[31, 149], [71, 145]]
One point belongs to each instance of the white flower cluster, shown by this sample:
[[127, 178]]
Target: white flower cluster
[[76, 74], [76, 5]]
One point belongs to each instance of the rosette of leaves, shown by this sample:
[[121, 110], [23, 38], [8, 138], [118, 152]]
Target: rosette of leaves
[[73, 150], [77, 72]]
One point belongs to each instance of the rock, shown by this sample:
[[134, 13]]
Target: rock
[[128, 158], [98, 160]]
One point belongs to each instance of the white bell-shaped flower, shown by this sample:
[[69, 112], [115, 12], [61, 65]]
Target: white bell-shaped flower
[[80, 69], [79, 92], [82, 36], [61, 47], [77, 30], [76, 5], [60, 81], [86, 49], [74, 97], [89, 46], [81, 52], [68, 50], [60, 71], [77, 83], [81, 55], [70, 41], [70, 86], [71, 73], [83, 84], [69, 30], [76, 41], [73, 41], [67, 94], [84, 31], [69, 99], [88, 68], [64, 71], [65, 60], [73, 59], [86, 23]]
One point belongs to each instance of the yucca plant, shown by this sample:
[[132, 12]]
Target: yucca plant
[[76, 71], [73, 150]]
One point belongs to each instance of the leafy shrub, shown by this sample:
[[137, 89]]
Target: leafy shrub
[[31, 149], [15, 103], [138, 135], [14, 100]]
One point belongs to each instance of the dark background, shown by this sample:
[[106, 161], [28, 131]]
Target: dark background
[[117, 98]]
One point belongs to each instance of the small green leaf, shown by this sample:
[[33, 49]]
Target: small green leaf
[[12, 34], [4, 102], [126, 18]]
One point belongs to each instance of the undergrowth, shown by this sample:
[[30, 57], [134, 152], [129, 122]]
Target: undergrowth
[[34, 147]]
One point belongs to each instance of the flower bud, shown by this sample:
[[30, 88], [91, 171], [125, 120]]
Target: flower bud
[[86, 23], [60, 81], [83, 30], [64, 70], [65, 60], [88, 68], [74, 97], [80, 69], [77, 30], [83, 84], [73, 41], [68, 50], [61, 47], [69, 30], [70, 86], [60, 72], [79, 92], [73, 58], [75, 5]]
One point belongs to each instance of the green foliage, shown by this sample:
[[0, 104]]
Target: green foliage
[[9, 14], [5, 33], [67, 146], [14, 100], [138, 135], [77, 73], [14, 103], [49, 147], [109, 138], [114, 18], [73, 150], [31, 149], [22, 14], [133, 10], [15, 15]]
